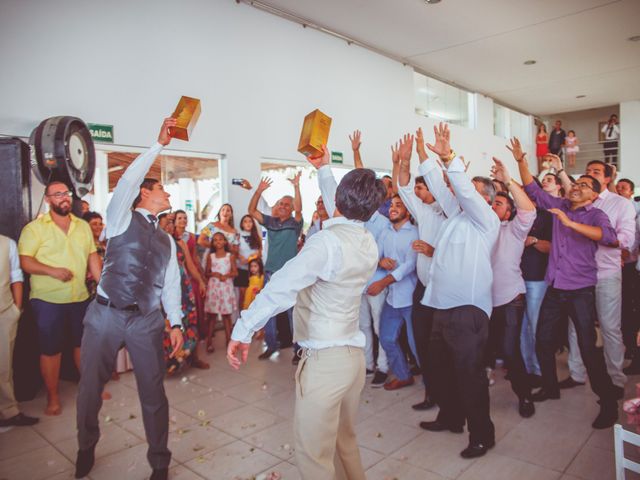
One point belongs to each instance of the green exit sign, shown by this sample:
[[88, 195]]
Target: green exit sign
[[101, 133], [336, 157]]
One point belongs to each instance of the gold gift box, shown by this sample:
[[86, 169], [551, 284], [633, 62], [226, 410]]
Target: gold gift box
[[187, 113], [315, 133]]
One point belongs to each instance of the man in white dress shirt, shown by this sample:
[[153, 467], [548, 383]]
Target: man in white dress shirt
[[459, 289], [140, 272], [325, 282]]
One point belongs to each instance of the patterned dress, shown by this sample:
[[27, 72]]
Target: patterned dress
[[221, 296], [189, 322]]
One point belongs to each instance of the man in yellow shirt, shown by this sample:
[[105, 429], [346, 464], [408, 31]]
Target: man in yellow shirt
[[56, 250]]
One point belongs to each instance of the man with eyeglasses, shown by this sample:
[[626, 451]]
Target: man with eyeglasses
[[56, 250], [572, 274]]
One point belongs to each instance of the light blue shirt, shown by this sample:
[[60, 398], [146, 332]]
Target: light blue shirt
[[396, 244], [377, 224]]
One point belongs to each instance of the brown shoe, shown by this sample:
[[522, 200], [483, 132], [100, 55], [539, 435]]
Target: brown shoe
[[395, 384]]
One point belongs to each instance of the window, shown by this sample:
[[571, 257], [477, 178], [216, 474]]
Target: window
[[509, 123], [442, 102]]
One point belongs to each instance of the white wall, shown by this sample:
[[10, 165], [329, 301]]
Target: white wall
[[127, 63], [630, 140]]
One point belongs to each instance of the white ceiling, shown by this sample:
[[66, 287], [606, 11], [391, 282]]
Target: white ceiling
[[580, 46]]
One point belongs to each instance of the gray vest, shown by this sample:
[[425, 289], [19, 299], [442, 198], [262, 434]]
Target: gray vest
[[135, 264]]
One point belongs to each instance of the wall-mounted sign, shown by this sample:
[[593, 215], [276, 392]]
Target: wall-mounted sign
[[101, 133], [336, 157]]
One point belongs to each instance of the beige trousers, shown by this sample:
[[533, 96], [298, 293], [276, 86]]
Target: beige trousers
[[8, 329], [328, 387]]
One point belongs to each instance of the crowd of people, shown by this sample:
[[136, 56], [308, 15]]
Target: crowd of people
[[439, 274]]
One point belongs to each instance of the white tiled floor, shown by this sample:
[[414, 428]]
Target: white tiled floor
[[230, 425]]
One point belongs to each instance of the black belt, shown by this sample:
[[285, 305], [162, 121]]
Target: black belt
[[105, 301]]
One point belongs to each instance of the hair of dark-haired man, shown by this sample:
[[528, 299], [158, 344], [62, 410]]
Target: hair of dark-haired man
[[147, 184], [595, 185], [87, 217], [420, 179], [359, 194], [630, 182], [52, 183], [512, 204], [489, 188], [608, 169]]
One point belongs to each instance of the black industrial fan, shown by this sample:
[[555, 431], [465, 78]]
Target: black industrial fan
[[62, 150]]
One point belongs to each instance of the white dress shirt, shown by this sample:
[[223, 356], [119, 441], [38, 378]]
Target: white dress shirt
[[429, 218], [396, 244], [118, 219], [319, 259], [614, 134], [461, 272], [14, 262]]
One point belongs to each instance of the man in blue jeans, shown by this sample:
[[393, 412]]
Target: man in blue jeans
[[283, 231], [399, 260]]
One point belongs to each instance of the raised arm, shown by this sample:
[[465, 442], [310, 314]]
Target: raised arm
[[432, 172], [326, 180], [355, 147], [395, 169], [297, 198], [128, 187], [253, 203]]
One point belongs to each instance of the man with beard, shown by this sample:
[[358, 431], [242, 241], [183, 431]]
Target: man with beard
[[56, 250]]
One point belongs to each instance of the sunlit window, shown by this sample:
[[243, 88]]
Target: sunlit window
[[437, 100]]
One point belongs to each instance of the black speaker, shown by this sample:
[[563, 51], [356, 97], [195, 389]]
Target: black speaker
[[15, 187]]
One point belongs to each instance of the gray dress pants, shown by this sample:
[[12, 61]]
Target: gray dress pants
[[106, 330]]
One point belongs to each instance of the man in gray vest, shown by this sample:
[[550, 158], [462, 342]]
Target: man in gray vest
[[140, 272], [325, 282]]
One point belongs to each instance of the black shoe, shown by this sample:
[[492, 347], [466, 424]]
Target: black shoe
[[526, 408], [619, 392], [267, 354], [370, 373], [85, 461], [569, 383], [160, 474], [475, 450], [379, 379], [632, 369], [542, 395], [608, 415], [535, 381], [425, 405], [19, 420], [437, 426]]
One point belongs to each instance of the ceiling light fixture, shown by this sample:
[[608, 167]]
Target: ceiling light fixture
[[580, 96], [431, 2], [530, 62], [635, 38]]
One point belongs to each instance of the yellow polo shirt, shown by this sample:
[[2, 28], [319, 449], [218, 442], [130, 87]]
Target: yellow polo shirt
[[43, 240]]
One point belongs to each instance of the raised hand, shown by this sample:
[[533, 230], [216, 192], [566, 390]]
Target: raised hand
[[554, 161], [395, 154], [165, 131], [246, 184], [566, 221], [406, 146], [420, 150], [500, 172], [442, 147], [516, 150], [321, 160], [295, 181], [265, 183], [355, 140]]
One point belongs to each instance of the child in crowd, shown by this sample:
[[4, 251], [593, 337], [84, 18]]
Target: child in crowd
[[256, 282], [221, 269], [571, 147], [250, 246]]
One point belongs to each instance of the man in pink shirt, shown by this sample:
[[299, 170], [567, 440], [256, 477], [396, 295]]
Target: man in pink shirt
[[516, 218], [609, 287]]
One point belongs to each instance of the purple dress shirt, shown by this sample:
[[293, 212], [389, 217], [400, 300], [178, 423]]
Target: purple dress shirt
[[572, 263]]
